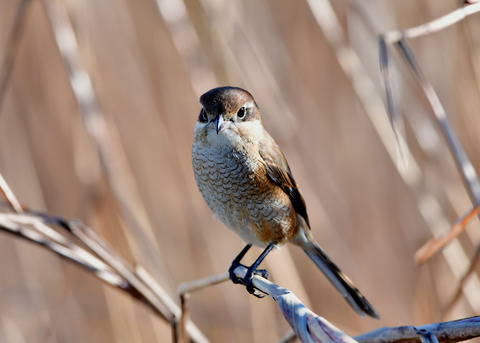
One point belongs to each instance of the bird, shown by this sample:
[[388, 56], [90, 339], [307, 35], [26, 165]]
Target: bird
[[246, 181]]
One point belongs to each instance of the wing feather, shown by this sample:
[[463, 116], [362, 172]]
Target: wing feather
[[278, 171]]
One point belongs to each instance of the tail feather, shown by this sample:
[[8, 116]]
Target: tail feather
[[341, 282]]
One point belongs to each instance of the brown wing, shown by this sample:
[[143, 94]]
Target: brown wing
[[279, 172]]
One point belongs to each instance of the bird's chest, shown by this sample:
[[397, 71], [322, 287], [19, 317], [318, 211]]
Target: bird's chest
[[225, 176], [235, 186]]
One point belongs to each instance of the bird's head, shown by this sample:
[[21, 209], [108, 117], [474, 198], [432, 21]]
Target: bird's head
[[229, 110]]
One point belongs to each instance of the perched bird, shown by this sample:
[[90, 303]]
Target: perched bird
[[247, 183]]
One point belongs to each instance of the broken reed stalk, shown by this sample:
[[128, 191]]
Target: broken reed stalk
[[96, 257], [101, 260]]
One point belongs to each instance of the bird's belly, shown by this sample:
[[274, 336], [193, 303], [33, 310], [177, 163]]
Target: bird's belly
[[242, 198]]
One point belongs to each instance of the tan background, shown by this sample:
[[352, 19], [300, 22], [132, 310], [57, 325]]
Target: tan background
[[148, 68]]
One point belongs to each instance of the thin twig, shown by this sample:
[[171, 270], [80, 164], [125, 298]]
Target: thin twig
[[432, 246], [435, 25], [192, 286]]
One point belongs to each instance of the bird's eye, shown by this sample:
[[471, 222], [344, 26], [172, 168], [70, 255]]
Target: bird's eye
[[241, 113], [202, 117]]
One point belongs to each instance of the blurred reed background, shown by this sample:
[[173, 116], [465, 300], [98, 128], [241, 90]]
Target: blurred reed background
[[148, 62]]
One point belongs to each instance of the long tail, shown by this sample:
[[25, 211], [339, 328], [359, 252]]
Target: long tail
[[341, 282]]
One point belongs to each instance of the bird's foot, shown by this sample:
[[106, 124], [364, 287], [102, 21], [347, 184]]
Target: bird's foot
[[251, 271], [248, 279], [231, 272]]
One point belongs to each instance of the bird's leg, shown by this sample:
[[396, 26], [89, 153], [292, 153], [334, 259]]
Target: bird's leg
[[236, 263], [247, 280]]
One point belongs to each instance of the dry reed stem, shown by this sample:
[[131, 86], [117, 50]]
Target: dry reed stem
[[433, 26], [192, 286], [106, 140], [103, 261], [31, 228], [432, 246]]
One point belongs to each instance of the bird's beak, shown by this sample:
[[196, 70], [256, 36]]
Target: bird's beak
[[219, 123]]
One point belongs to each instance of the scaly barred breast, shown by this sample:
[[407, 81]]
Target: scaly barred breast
[[235, 187]]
